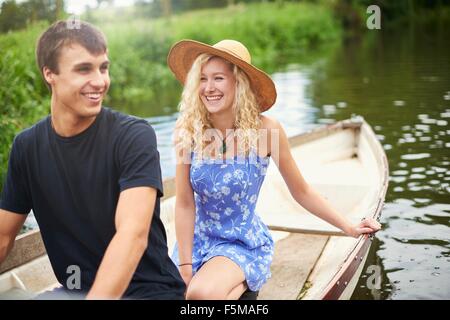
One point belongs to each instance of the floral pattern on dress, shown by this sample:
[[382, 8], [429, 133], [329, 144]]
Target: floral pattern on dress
[[226, 224]]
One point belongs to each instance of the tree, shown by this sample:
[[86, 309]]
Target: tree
[[49, 10], [59, 9], [15, 16], [12, 16], [166, 8]]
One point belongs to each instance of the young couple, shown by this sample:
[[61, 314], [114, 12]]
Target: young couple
[[92, 176]]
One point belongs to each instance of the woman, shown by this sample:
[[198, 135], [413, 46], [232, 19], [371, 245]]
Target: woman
[[223, 145]]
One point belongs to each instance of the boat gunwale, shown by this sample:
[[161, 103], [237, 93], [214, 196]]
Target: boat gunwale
[[336, 286]]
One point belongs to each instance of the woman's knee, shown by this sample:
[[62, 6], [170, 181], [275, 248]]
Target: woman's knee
[[197, 291]]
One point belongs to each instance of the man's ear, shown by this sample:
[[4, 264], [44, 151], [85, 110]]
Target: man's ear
[[48, 75]]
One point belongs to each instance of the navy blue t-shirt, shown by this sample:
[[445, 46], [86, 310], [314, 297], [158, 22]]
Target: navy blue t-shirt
[[73, 186]]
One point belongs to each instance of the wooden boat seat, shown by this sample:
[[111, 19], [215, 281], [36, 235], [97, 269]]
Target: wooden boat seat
[[28, 280], [343, 182], [16, 294], [294, 259]]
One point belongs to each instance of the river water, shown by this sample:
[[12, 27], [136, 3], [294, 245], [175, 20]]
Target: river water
[[399, 81]]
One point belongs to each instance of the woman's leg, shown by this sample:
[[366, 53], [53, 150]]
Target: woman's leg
[[237, 291], [218, 279]]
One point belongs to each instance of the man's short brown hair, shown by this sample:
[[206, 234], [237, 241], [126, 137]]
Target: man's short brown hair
[[64, 33]]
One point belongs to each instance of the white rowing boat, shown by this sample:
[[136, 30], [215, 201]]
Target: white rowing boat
[[313, 260]]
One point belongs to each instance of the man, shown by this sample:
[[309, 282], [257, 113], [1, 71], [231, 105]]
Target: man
[[92, 177]]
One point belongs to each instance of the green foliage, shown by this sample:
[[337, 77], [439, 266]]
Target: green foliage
[[138, 49], [23, 95], [267, 29]]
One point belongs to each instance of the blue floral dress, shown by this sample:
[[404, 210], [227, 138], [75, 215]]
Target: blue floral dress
[[226, 224]]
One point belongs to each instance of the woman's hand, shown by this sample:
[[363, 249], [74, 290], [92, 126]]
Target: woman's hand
[[367, 225], [186, 273]]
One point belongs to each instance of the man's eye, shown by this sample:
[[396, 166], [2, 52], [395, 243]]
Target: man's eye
[[84, 69]]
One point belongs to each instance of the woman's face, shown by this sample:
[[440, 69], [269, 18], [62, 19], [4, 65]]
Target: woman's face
[[217, 86]]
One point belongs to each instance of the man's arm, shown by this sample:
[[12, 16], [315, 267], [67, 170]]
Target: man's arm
[[10, 224], [133, 218]]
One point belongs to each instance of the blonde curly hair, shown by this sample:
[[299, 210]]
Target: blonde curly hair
[[194, 119]]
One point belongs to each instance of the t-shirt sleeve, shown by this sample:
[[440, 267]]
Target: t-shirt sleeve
[[15, 196], [138, 159]]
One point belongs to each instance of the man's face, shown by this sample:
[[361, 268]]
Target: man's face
[[82, 81]]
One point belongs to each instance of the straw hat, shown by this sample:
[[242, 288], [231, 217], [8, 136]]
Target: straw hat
[[183, 53]]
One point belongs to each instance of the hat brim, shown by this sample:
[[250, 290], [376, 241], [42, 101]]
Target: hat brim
[[182, 56]]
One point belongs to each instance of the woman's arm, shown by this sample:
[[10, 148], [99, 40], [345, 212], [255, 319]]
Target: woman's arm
[[184, 217], [302, 192]]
